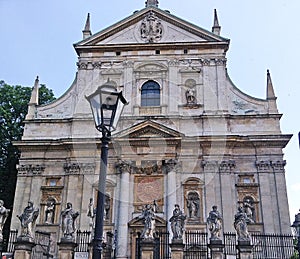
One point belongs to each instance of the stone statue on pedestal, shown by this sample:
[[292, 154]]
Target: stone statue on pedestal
[[27, 219], [214, 222], [241, 225], [177, 222], [148, 214], [68, 221], [3, 216]]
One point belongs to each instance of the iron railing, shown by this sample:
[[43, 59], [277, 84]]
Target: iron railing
[[196, 245]]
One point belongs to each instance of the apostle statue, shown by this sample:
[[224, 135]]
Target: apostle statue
[[27, 219], [214, 222], [241, 225], [68, 217], [49, 211], [177, 222], [3, 216], [148, 215]]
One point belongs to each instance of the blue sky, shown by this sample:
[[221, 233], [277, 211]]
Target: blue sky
[[37, 38]]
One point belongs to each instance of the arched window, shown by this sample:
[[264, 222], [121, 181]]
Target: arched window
[[150, 94]]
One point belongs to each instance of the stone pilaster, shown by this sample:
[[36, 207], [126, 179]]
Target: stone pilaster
[[124, 169], [245, 249], [66, 249], [171, 169], [148, 246], [216, 249], [177, 248], [23, 248]]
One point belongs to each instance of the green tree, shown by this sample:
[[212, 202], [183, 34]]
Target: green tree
[[13, 109]]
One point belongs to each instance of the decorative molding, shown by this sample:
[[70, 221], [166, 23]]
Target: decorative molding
[[124, 166], [97, 65], [227, 166], [82, 65], [77, 168], [30, 169], [263, 165], [279, 165], [151, 28], [210, 166], [171, 165]]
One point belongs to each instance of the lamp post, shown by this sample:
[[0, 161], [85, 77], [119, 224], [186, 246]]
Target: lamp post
[[107, 105], [296, 226]]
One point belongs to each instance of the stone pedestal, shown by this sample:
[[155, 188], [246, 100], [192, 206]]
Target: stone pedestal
[[245, 249], [216, 249], [66, 249], [23, 248], [177, 247], [148, 246]]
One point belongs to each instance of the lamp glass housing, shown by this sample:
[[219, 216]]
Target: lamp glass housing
[[107, 105]]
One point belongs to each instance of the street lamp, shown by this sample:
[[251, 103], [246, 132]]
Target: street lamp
[[107, 105], [296, 226]]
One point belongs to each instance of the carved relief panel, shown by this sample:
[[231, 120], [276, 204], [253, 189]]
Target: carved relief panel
[[147, 189]]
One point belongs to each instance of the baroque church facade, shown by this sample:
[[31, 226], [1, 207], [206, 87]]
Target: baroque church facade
[[188, 136]]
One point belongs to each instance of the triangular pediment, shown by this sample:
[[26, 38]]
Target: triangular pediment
[[148, 129], [150, 25]]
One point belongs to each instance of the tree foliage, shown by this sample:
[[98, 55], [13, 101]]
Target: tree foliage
[[13, 109]]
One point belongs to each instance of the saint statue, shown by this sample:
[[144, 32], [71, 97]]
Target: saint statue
[[50, 209], [3, 216], [214, 222], [249, 208], [190, 96], [68, 221], [148, 215], [27, 219], [177, 222], [241, 225]]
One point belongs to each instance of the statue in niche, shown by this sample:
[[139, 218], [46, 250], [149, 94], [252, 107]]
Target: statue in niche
[[177, 222], [190, 96], [241, 225], [107, 208], [4, 212], [27, 219], [214, 222], [249, 209], [68, 221], [193, 205], [148, 215], [49, 212]]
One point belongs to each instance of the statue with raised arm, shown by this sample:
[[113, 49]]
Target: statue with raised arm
[[3, 216], [148, 215], [214, 222], [68, 217], [241, 225], [177, 222], [27, 219]]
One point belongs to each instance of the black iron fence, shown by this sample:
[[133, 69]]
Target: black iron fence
[[83, 240], [265, 246], [272, 246], [196, 245], [161, 246]]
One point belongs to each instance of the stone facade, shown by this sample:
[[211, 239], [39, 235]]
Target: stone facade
[[206, 143]]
